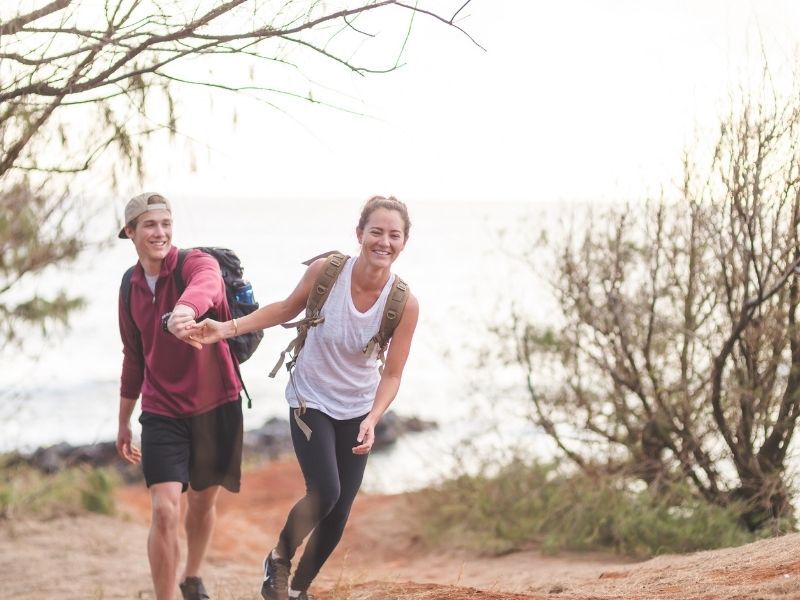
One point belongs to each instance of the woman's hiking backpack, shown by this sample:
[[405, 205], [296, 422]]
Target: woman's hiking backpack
[[238, 294], [392, 311], [334, 263]]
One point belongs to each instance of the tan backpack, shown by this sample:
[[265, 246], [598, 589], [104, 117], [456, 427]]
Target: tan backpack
[[392, 312]]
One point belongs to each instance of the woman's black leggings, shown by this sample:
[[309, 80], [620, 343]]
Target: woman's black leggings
[[333, 475]]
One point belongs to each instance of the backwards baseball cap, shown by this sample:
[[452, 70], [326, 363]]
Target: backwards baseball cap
[[138, 205]]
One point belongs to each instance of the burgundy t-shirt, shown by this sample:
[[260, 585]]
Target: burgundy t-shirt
[[175, 379]]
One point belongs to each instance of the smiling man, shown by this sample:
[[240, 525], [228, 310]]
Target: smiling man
[[191, 410]]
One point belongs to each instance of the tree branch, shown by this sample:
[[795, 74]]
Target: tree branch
[[14, 25]]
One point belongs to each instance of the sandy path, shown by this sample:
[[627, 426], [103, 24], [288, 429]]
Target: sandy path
[[104, 557]]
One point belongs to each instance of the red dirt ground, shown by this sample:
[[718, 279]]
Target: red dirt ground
[[379, 558]]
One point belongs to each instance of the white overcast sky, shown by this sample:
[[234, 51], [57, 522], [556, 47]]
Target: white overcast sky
[[572, 100]]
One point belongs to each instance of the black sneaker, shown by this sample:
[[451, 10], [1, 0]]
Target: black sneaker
[[192, 589], [276, 579], [303, 596]]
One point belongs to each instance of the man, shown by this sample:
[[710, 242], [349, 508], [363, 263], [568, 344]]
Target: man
[[191, 410]]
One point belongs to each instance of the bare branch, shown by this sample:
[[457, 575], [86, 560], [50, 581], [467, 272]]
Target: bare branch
[[16, 24]]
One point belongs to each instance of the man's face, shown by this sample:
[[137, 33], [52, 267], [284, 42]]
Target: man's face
[[153, 235]]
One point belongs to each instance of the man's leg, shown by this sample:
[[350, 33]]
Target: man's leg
[[216, 456], [201, 514], [162, 543]]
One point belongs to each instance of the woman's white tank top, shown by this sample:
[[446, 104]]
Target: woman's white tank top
[[332, 373]]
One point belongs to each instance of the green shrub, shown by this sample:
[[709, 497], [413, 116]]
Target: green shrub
[[97, 493], [529, 504], [27, 492]]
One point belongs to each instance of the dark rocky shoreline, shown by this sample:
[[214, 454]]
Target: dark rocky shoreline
[[268, 442]]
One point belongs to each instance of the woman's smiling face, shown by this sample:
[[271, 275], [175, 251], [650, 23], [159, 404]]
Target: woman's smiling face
[[383, 237]]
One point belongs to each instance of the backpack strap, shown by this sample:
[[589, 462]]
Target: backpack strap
[[334, 263], [333, 266], [178, 273], [125, 293], [318, 256], [392, 313]]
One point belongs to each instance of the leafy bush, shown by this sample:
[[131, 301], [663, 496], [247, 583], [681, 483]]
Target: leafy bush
[[97, 493], [27, 492], [527, 504]]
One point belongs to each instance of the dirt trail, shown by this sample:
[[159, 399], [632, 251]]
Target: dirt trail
[[104, 557]]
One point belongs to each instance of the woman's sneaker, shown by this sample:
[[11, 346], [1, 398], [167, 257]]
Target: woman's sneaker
[[276, 579]]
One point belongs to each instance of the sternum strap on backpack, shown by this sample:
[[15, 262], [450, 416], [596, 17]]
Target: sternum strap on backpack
[[392, 312]]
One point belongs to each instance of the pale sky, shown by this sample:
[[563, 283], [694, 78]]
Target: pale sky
[[572, 100]]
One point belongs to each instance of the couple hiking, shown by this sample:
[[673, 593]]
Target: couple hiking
[[181, 364]]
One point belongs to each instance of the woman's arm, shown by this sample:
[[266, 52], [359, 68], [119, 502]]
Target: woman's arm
[[210, 331], [389, 384]]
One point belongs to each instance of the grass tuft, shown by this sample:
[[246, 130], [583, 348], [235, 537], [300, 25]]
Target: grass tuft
[[533, 504], [97, 493], [27, 492]]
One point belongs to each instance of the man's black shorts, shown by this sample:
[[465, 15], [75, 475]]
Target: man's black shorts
[[202, 450]]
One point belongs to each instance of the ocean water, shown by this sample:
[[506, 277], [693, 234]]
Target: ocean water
[[463, 271]]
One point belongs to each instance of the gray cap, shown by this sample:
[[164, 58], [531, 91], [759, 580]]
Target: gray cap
[[138, 206]]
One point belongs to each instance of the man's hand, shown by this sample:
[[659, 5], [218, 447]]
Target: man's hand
[[208, 331], [125, 448], [180, 324]]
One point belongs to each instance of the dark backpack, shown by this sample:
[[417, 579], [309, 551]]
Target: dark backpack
[[238, 293]]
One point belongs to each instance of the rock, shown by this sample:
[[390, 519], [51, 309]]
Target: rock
[[273, 439], [51, 459], [59, 456], [269, 441], [392, 426]]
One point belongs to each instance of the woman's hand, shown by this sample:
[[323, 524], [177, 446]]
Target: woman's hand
[[207, 331], [366, 436]]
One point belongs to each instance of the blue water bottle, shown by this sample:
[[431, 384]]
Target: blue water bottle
[[244, 294]]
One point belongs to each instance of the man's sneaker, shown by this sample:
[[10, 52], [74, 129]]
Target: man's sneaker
[[276, 579], [302, 596], [192, 589]]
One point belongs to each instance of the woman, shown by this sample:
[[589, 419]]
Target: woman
[[341, 388]]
